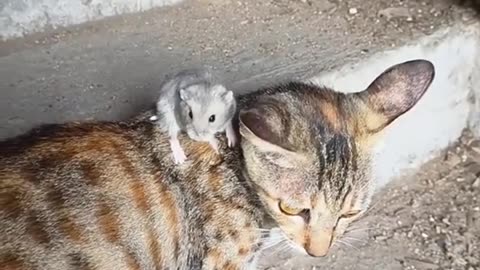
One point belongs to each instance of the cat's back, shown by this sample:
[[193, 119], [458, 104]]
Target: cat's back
[[107, 196], [73, 196]]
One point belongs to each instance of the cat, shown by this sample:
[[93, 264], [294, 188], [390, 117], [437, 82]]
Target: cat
[[107, 195]]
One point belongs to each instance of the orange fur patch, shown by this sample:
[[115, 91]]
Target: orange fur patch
[[11, 262], [10, 202], [155, 250], [108, 223], [36, 228]]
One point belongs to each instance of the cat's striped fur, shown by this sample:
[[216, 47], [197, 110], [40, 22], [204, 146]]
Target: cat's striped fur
[[108, 196]]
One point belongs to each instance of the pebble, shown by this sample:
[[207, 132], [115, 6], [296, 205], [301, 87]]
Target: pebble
[[380, 238], [353, 11], [476, 183], [446, 221], [395, 12]]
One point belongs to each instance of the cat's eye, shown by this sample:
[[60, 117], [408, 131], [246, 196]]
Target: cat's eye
[[190, 114], [294, 211], [351, 214], [212, 118]]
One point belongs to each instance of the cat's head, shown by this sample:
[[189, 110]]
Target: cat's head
[[308, 150]]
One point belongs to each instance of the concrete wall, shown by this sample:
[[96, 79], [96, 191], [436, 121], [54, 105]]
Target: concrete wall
[[19, 17]]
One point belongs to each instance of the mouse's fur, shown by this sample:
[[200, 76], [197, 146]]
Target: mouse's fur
[[188, 102]]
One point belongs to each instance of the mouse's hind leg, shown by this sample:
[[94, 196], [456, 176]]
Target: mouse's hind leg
[[177, 150]]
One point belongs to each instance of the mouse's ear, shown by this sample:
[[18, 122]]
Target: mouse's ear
[[184, 95], [218, 90], [229, 97]]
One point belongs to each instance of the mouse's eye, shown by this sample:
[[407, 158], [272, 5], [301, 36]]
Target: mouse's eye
[[212, 118], [190, 114]]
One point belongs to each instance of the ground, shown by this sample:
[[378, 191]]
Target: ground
[[112, 69], [427, 221]]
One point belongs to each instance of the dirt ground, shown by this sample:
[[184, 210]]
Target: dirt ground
[[425, 222]]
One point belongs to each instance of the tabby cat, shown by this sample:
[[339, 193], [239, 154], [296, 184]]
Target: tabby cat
[[107, 195]]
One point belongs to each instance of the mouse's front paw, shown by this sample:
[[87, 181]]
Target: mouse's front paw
[[179, 156], [231, 137], [214, 143], [177, 152]]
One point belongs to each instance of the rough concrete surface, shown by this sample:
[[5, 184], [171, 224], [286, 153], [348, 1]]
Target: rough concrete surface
[[112, 69], [20, 17]]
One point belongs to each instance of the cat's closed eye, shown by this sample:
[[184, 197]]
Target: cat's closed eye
[[351, 214], [294, 211]]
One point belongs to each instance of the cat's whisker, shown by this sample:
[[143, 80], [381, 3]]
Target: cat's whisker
[[262, 229], [339, 244], [358, 230], [291, 242], [282, 245], [271, 244], [355, 239], [272, 240], [265, 233], [285, 248], [347, 244], [372, 207], [273, 249]]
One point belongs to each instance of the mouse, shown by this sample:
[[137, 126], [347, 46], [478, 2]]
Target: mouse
[[194, 102]]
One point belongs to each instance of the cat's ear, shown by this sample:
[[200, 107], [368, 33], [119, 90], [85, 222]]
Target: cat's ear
[[393, 93], [184, 94], [263, 127]]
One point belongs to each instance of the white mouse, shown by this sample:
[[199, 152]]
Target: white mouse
[[192, 102]]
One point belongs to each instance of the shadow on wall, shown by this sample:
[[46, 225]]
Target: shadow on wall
[[473, 4]]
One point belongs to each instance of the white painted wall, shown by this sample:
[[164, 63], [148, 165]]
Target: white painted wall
[[19, 17]]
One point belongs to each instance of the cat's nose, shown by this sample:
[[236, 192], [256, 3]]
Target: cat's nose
[[317, 252], [318, 245]]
